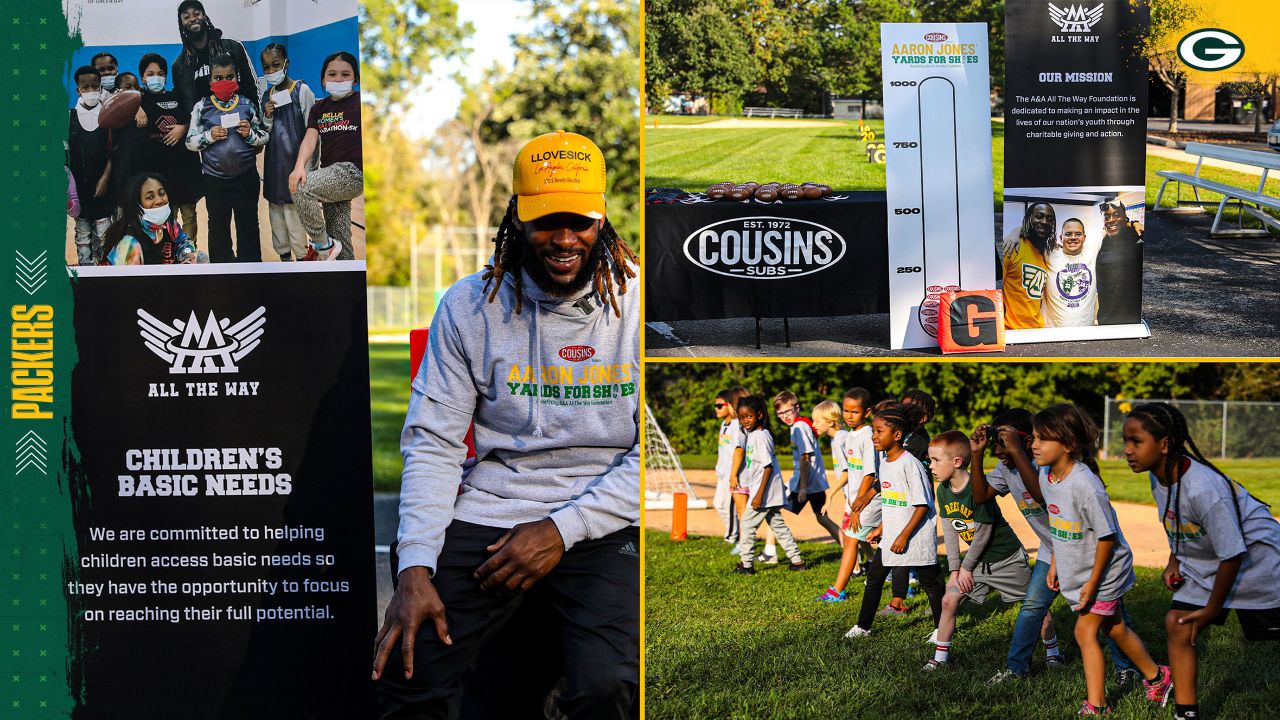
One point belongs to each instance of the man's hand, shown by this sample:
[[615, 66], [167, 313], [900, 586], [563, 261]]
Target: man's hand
[[521, 557], [415, 601], [964, 580]]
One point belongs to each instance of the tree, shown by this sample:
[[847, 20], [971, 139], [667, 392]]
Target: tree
[[991, 13], [1169, 18], [1259, 88], [700, 50], [578, 69]]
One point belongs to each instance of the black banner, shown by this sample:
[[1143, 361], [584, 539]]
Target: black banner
[[806, 258], [223, 511], [1075, 167], [1075, 93]]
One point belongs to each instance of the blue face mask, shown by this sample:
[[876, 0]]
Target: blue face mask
[[156, 215], [275, 77], [108, 82], [155, 83]]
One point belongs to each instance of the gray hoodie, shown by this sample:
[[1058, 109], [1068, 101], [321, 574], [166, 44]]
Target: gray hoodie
[[554, 396]]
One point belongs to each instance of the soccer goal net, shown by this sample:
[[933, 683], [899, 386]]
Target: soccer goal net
[[663, 474]]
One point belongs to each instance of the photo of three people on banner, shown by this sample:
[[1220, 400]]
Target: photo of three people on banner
[[1055, 275], [139, 157]]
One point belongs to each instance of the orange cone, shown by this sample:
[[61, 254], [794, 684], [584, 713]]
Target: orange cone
[[679, 516]]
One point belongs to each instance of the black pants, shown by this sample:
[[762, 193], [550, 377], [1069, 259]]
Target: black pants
[[239, 197], [878, 572], [581, 621]]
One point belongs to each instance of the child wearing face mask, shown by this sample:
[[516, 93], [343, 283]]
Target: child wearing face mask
[[225, 129], [324, 195], [89, 161], [287, 104], [147, 232], [165, 151], [128, 144]]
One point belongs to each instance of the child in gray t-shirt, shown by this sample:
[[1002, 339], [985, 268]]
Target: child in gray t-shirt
[[1092, 563], [763, 483], [1224, 544]]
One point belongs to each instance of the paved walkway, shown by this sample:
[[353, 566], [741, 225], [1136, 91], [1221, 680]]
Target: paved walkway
[[1138, 522]]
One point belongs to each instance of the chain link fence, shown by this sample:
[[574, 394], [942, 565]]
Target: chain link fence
[[439, 256], [1221, 428]]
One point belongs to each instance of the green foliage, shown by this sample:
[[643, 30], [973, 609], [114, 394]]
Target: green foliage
[[577, 69], [967, 393], [787, 53], [399, 39]]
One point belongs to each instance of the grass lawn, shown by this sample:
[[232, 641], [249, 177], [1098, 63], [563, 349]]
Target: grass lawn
[[720, 645], [389, 391], [1260, 475], [696, 159]]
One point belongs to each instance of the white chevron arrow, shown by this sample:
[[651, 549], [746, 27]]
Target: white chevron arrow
[[31, 451], [31, 273]]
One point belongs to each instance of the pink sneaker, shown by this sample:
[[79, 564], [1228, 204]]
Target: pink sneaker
[[1089, 708], [1158, 690]]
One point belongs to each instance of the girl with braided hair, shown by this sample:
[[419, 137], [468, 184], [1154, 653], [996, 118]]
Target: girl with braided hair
[[908, 520], [1092, 564], [1224, 544]]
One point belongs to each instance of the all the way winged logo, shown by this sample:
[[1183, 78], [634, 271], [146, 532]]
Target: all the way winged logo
[[1075, 18], [194, 348]]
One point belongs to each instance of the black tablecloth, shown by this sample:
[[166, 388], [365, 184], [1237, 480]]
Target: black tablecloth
[[677, 236]]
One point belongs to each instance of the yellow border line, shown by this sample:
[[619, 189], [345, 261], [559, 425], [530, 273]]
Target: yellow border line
[[640, 434]]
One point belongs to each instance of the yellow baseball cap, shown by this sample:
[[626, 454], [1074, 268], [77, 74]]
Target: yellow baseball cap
[[559, 172]]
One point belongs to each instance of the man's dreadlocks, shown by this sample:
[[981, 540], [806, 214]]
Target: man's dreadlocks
[[508, 253], [1163, 420]]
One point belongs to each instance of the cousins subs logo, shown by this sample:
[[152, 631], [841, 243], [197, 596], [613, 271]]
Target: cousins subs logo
[[764, 248]]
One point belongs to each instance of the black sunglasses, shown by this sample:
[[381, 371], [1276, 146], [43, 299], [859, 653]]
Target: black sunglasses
[[720, 405], [557, 221]]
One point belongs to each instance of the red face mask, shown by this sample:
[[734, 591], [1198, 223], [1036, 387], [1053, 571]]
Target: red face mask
[[224, 89]]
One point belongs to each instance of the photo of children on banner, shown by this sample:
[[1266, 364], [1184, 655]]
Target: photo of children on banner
[[1074, 263], [206, 127]]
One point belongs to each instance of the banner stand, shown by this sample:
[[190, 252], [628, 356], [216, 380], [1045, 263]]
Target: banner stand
[[1068, 334]]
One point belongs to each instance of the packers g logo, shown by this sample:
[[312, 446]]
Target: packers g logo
[[1033, 280], [1210, 49]]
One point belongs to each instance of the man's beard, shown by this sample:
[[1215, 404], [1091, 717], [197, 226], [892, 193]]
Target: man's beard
[[537, 270]]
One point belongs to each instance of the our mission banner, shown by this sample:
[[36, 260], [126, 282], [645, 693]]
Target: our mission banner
[[1075, 155], [223, 559]]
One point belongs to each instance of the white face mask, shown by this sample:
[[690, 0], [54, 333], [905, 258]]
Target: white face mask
[[108, 82], [275, 77], [339, 89], [91, 98], [157, 215], [155, 83]]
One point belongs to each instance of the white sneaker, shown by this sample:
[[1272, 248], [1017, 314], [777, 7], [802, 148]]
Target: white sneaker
[[767, 559], [856, 632], [933, 665], [931, 638]]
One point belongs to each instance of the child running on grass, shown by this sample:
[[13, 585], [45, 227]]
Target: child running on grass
[[996, 559], [1092, 563], [1224, 544], [856, 459], [868, 501], [1010, 435], [909, 521], [808, 484], [764, 484], [730, 444]]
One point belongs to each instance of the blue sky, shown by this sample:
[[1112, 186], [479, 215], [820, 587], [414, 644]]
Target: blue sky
[[495, 22]]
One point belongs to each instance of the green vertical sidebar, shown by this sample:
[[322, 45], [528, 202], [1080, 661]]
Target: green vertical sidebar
[[38, 639]]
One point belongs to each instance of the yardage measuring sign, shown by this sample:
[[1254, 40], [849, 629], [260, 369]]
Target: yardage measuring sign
[[937, 119]]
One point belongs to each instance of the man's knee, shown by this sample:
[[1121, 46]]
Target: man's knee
[[951, 601], [601, 690]]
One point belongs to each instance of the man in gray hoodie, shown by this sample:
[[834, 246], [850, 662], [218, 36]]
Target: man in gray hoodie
[[541, 354]]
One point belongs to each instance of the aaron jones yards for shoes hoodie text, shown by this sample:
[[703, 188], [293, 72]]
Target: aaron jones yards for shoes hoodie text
[[554, 396]]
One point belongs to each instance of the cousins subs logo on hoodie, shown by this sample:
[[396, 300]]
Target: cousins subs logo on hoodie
[[764, 248]]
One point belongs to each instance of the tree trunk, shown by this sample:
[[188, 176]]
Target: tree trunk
[[1173, 110]]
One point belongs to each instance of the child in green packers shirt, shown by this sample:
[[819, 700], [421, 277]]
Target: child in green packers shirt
[[996, 559]]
